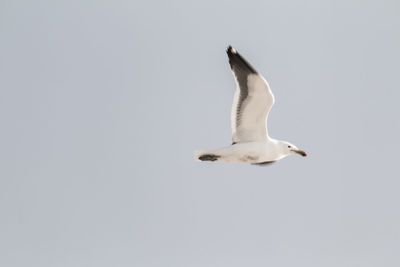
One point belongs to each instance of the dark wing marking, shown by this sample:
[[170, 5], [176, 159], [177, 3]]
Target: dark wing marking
[[241, 69], [209, 157], [238, 62], [252, 101]]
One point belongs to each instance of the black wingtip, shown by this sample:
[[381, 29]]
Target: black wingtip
[[236, 59], [209, 157], [230, 50]]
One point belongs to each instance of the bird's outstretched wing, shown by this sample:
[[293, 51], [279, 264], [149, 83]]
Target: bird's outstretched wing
[[252, 101]]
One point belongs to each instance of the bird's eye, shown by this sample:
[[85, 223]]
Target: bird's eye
[[289, 146]]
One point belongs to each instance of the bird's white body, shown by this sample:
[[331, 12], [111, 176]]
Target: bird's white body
[[252, 102], [250, 152]]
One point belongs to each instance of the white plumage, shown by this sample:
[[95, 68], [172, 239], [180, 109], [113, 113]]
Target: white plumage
[[252, 102], [249, 120]]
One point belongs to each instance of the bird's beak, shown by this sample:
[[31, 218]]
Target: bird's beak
[[300, 152]]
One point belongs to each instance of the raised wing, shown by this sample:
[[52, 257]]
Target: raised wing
[[252, 101]]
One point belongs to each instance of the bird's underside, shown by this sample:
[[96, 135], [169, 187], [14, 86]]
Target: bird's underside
[[247, 152]]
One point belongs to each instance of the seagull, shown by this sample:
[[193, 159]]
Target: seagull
[[252, 102]]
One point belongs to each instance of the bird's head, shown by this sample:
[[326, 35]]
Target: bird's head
[[290, 149]]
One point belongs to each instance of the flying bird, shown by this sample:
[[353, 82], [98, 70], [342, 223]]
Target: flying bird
[[252, 102]]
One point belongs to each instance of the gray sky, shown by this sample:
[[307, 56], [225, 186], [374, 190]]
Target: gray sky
[[102, 104]]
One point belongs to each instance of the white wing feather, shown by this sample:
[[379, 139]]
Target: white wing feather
[[249, 115]]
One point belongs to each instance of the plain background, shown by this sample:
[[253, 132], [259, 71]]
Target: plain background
[[102, 104]]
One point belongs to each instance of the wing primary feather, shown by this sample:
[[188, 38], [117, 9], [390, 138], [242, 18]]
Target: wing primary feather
[[252, 102], [236, 60]]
